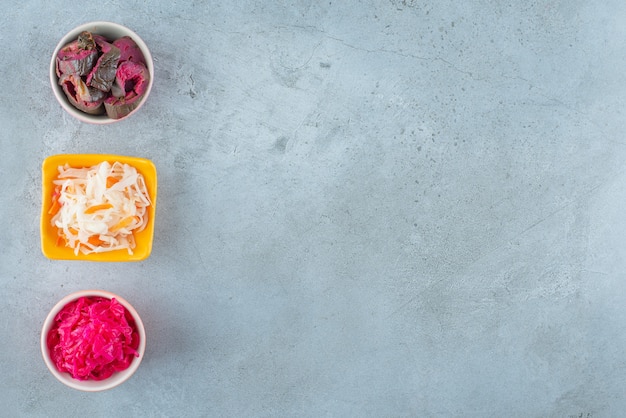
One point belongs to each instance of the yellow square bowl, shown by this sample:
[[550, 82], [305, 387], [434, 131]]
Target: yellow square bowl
[[49, 233]]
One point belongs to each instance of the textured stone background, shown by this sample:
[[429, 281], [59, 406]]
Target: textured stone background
[[376, 208]]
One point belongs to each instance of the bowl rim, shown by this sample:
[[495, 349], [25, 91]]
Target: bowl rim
[[58, 91], [92, 385], [143, 239]]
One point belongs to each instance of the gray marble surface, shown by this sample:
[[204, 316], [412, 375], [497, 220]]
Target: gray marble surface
[[378, 208]]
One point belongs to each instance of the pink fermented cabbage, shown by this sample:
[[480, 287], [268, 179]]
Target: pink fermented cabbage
[[93, 337]]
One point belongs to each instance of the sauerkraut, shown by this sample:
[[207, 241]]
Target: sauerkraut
[[93, 337], [99, 208]]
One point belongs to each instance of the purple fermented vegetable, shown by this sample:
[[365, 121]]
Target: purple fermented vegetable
[[131, 82], [103, 73], [77, 57], [129, 51], [85, 98], [100, 76]]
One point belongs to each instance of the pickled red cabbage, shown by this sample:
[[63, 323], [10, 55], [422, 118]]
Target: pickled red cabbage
[[92, 338]]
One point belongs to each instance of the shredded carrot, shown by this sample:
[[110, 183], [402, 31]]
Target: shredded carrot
[[123, 223], [61, 241], [95, 208], [55, 207], [95, 240], [111, 181]]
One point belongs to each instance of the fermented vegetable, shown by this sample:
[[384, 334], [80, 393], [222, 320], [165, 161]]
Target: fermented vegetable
[[91, 69], [93, 337], [99, 208]]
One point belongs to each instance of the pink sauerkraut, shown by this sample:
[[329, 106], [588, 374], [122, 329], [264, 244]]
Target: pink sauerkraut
[[92, 338]]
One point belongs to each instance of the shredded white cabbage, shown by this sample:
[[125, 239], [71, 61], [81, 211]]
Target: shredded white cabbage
[[100, 207]]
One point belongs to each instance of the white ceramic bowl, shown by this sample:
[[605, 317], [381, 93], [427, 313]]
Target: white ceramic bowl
[[110, 31], [92, 385]]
